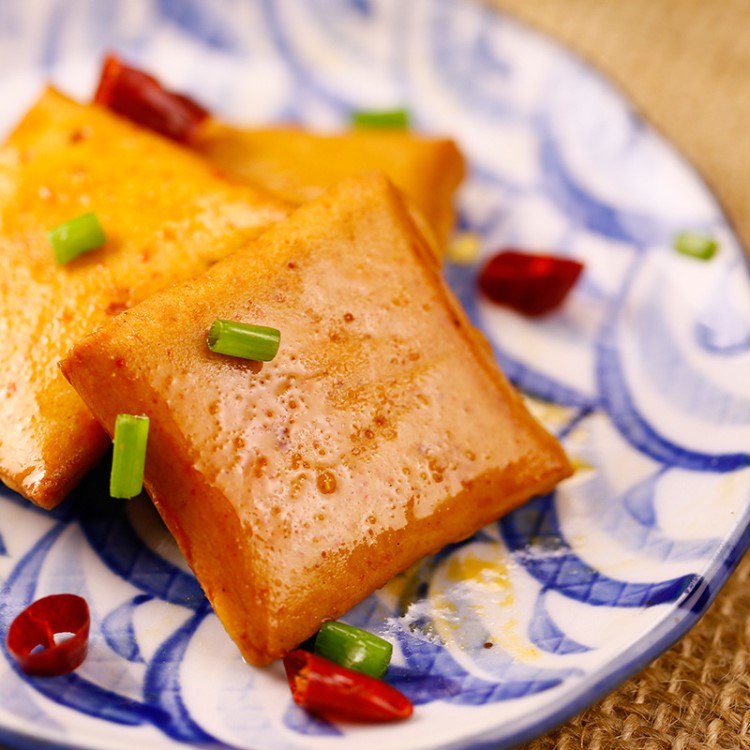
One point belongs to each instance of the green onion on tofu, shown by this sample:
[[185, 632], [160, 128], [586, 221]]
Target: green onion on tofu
[[76, 237], [129, 455], [244, 340]]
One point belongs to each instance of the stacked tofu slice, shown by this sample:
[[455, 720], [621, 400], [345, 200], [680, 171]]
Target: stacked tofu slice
[[382, 431]]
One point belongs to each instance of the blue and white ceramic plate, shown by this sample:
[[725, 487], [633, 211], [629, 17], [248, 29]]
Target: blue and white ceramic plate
[[643, 374]]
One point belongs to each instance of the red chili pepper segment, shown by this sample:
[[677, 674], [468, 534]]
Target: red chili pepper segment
[[141, 98], [31, 636], [533, 284], [325, 688]]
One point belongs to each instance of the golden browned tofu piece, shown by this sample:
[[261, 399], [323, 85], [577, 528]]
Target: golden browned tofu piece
[[299, 165], [380, 432], [167, 215]]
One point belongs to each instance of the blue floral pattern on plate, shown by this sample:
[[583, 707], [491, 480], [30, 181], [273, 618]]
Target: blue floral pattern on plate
[[642, 374]]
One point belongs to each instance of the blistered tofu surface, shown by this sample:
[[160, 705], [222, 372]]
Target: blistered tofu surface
[[166, 216], [380, 432], [370, 416]]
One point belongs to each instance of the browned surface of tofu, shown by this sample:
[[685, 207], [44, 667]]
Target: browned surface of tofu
[[167, 216], [382, 430], [298, 165]]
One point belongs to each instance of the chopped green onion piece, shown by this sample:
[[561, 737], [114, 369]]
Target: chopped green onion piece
[[353, 648], [75, 237], [394, 118], [696, 245], [129, 456], [244, 340]]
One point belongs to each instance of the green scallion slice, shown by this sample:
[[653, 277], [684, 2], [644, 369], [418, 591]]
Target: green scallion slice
[[353, 648], [244, 340], [696, 245], [129, 455], [76, 237], [392, 118]]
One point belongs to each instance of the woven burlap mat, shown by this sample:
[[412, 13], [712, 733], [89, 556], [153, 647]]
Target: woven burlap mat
[[695, 696], [685, 64]]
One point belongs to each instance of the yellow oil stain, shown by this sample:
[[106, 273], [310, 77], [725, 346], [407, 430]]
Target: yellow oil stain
[[464, 248], [491, 574], [554, 416], [480, 586], [402, 590], [579, 464], [395, 588]]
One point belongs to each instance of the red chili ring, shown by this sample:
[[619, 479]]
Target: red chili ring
[[325, 688], [532, 283], [142, 99], [31, 636]]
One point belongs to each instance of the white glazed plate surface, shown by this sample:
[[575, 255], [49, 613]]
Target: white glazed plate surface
[[643, 374]]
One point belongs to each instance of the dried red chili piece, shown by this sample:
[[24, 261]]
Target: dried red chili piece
[[325, 688], [141, 98], [31, 636], [530, 283]]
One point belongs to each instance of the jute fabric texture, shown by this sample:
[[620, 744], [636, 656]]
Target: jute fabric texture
[[685, 65]]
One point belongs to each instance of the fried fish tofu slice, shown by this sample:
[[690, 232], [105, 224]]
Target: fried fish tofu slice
[[381, 431], [295, 164], [167, 215], [299, 165]]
